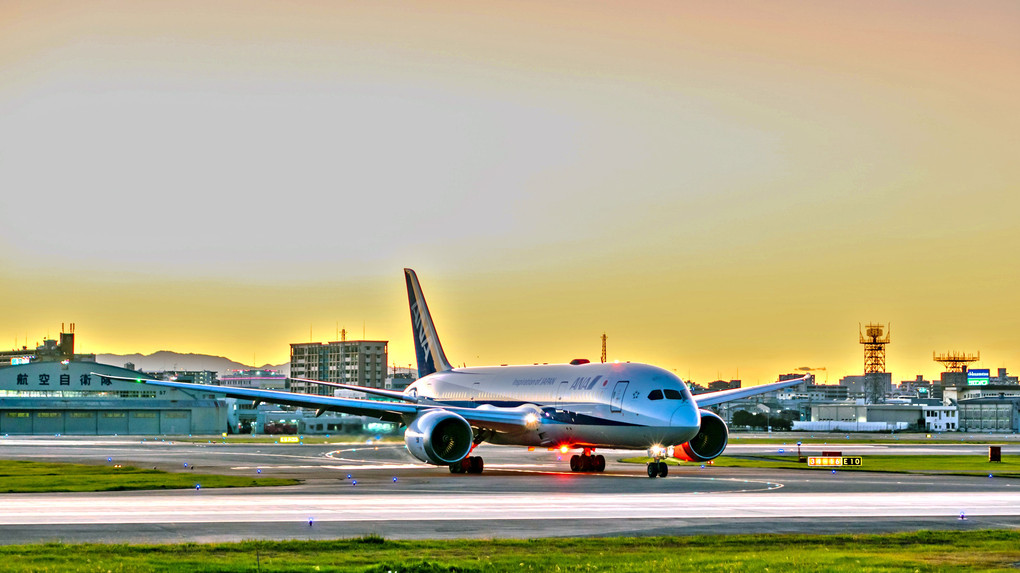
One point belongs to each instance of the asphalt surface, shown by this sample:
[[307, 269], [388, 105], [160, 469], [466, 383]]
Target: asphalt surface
[[522, 494]]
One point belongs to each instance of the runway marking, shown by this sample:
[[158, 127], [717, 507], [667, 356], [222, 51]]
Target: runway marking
[[211, 507]]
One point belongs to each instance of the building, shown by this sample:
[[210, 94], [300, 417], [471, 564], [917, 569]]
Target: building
[[191, 376], [918, 387], [264, 379], [358, 362], [990, 415], [718, 385], [873, 386], [52, 390], [244, 415], [927, 415]]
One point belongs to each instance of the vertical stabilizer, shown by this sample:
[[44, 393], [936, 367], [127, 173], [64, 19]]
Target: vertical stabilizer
[[426, 342]]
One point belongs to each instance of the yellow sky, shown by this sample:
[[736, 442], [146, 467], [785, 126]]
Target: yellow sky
[[726, 190]]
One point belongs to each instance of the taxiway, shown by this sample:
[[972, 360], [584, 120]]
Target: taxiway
[[521, 494]]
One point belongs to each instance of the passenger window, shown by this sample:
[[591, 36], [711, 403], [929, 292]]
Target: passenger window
[[655, 395], [673, 395]]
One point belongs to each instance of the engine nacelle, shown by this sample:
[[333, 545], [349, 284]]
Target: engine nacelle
[[439, 438], [708, 444]]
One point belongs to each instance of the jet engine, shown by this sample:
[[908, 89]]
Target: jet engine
[[710, 441], [439, 438]]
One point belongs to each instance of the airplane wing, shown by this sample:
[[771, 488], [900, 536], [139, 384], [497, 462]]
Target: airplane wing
[[377, 391], [712, 398], [498, 419]]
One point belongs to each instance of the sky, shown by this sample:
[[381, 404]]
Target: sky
[[727, 190]]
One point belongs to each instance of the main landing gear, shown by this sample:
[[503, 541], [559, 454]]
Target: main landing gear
[[587, 462], [657, 469], [471, 464], [468, 465]]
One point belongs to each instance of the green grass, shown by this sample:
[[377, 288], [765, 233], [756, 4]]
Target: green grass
[[28, 477], [837, 440], [918, 551], [948, 465]]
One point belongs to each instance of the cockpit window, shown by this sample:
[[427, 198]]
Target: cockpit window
[[655, 395], [673, 395]]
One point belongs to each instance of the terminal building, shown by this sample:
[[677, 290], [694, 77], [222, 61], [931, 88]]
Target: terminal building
[[52, 390]]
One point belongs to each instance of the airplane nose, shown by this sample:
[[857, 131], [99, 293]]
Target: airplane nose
[[683, 416]]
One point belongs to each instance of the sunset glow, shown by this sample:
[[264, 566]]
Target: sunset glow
[[726, 190]]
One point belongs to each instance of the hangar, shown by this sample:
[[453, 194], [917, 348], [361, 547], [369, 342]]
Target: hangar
[[58, 392]]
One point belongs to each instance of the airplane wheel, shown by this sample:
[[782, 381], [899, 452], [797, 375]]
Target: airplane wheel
[[663, 469], [653, 469], [575, 463], [477, 465], [600, 463], [456, 468], [586, 463]]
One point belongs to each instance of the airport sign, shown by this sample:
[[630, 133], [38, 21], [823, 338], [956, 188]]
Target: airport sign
[[833, 461]]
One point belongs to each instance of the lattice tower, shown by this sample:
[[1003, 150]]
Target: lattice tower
[[955, 361], [875, 337], [603, 347]]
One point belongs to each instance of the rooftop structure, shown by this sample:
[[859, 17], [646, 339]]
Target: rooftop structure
[[956, 361]]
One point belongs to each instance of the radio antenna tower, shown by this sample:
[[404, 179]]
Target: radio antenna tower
[[603, 347], [874, 340], [956, 361]]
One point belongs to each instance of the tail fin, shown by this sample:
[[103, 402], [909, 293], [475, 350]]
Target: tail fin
[[426, 342]]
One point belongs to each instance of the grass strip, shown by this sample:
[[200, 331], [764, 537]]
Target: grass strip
[[986, 550], [837, 440], [947, 465], [17, 476]]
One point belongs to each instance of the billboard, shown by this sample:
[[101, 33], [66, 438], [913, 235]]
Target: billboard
[[977, 377]]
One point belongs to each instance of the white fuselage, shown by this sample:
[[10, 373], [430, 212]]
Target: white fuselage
[[612, 405]]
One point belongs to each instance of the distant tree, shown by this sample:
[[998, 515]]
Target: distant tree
[[790, 415], [781, 423], [743, 418]]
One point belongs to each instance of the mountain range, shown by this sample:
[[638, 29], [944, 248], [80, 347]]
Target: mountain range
[[169, 360]]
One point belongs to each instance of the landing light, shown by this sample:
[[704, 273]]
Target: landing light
[[564, 448], [531, 421], [656, 451]]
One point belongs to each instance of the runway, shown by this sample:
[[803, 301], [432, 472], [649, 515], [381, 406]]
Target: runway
[[521, 494]]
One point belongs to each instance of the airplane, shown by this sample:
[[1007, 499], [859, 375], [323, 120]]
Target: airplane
[[582, 406]]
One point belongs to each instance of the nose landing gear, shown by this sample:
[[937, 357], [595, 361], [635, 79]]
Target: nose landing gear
[[587, 462], [658, 469]]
